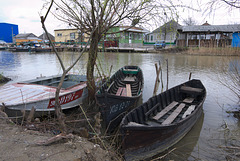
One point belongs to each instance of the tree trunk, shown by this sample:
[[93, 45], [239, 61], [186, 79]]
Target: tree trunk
[[92, 56], [58, 110]]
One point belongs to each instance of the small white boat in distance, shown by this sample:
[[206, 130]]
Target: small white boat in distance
[[40, 94]]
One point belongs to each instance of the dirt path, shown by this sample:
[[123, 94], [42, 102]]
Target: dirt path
[[19, 144]]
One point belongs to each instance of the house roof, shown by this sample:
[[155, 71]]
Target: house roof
[[169, 25], [212, 28], [25, 36], [133, 28], [205, 24], [44, 36], [65, 29]]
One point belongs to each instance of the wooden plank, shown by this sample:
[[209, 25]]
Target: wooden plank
[[124, 92], [174, 114], [129, 79], [188, 100], [119, 91], [191, 89], [129, 92], [189, 111], [165, 110], [134, 124], [152, 109]]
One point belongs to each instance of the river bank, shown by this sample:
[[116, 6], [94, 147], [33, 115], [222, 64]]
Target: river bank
[[18, 143]]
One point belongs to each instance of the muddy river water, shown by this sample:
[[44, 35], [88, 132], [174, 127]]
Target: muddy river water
[[213, 132]]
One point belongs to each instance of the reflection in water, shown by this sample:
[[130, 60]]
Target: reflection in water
[[8, 60], [186, 148], [24, 66]]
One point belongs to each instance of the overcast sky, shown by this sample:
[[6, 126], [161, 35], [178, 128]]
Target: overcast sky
[[26, 14]]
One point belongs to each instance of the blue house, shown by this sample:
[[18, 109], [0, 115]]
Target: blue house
[[8, 31], [236, 39]]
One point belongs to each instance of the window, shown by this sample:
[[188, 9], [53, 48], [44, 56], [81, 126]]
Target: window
[[59, 34], [72, 36], [151, 37], [139, 36]]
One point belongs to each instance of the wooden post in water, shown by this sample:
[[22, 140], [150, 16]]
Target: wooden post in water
[[190, 75], [110, 70], [167, 74], [161, 76], [158, 69]]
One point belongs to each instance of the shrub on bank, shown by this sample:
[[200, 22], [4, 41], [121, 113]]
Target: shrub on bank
[[4, 79]]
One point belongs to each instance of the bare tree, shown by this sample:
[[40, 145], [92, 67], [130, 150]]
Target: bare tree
[[226, 3], [214, 5], [98, 16], [58, 110], [189, 21]]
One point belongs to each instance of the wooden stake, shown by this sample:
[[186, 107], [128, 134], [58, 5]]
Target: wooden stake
[[190, 75], [156, 67], [110, 70], [157, 79], [167, 74]]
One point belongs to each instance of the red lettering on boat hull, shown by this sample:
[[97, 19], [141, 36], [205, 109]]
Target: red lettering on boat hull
[[66, 98]]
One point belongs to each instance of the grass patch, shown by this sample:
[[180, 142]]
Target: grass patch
[[228, 51]]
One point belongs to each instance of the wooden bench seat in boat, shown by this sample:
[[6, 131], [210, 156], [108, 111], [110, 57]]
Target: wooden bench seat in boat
[[129, 79], [129, 92], [189, 111], [165, 110], [134, 124], [174, 114], [188, 89], [122, 91], [188, 100], [119, 91]]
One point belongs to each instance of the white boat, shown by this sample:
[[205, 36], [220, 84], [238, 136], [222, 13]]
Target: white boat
[[40, 94]]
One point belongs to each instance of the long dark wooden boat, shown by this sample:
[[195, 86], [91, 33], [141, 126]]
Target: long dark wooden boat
[[162, 121], [119, 94]]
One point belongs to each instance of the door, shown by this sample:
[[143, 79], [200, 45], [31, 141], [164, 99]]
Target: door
[[130, 37]]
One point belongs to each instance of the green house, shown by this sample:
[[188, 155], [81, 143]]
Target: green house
[[124, 36]]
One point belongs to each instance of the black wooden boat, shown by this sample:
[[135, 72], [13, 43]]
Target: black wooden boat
[[162, 121], [119, 94]]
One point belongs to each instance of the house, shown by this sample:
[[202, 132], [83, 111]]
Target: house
[[124, 36], [43, 37], [23, 38], [206, 35], [167, 33], [8, 31], [70, 35]]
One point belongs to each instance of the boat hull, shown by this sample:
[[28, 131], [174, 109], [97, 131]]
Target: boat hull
[[154, 141], [23, 96], [115, 109], [144, 136], [114, 106]]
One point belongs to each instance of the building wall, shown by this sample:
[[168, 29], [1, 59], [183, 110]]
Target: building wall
[[66, 35], [204, 39], [170, 37], [7, 31], [22, 41], [125, 38], [236, 39]]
